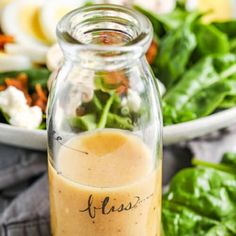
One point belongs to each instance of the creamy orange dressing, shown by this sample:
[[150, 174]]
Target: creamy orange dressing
[[105, 185]]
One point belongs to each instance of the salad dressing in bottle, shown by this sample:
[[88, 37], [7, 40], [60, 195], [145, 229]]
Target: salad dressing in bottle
[[105, 127]]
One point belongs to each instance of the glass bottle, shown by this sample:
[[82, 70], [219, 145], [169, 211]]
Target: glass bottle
[[105, 127]]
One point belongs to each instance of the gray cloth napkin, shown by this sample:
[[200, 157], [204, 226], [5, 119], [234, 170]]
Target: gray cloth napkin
[[24, 205], [211, 147], [23, 193]]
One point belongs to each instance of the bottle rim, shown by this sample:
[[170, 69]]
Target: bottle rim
[[139, 43]]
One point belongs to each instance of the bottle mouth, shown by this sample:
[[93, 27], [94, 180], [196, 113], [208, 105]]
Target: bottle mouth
[[109, 30]]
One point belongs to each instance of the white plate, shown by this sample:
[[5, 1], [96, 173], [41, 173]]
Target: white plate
[[37, 139]]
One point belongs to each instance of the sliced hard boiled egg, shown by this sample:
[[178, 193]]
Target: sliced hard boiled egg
[[3, 3], [14, 62], [35, 54], [51, 13], [20, 19]]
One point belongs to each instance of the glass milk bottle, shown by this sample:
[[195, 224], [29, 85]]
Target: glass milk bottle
[[105, 127]]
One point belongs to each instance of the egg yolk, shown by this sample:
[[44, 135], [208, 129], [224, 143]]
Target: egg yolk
[[219, 10], [30, 22]]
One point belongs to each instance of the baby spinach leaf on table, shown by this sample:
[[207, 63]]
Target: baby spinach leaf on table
[[210, 40], [180, 220], [218, 166], [200, 201], [175, 51], [199, 187]]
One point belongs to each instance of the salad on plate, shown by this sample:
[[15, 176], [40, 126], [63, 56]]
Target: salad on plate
[[193, 58]]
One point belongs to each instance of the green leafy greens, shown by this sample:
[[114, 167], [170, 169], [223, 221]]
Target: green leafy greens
[[202, 200], [196, 62]]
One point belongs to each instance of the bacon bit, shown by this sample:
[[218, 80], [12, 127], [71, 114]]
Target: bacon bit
[[80, 111], [122, 90], [152, 52], [21, 83], [23, 78], [2, 87], [4, 39], [111, 38], [118, 80], [39, 97]]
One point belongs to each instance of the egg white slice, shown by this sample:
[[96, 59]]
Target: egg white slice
[[51, 13], [14, 62], [3, 3], [20, 19], [35, 54]]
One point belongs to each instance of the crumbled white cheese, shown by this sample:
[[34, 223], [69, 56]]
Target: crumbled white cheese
[[191, 5], [14, 104], [133, 100], [12, 100], [29, 118]]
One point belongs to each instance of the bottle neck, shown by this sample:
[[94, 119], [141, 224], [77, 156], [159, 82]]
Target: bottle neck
[[104, 36]]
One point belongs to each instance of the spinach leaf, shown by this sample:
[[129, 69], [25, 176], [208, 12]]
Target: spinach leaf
[[205, 102], [155, 20], [201, 89], [218, 166], [94, 106], [210, 40], [199, 187], [175, 51], [232, 45], [230, 100], [104, 110], [83, 123], [5, 116], [103, 118], [163, 23], [119, 122], [229, 158], [227, 27], [180, 220], [200, 202]]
